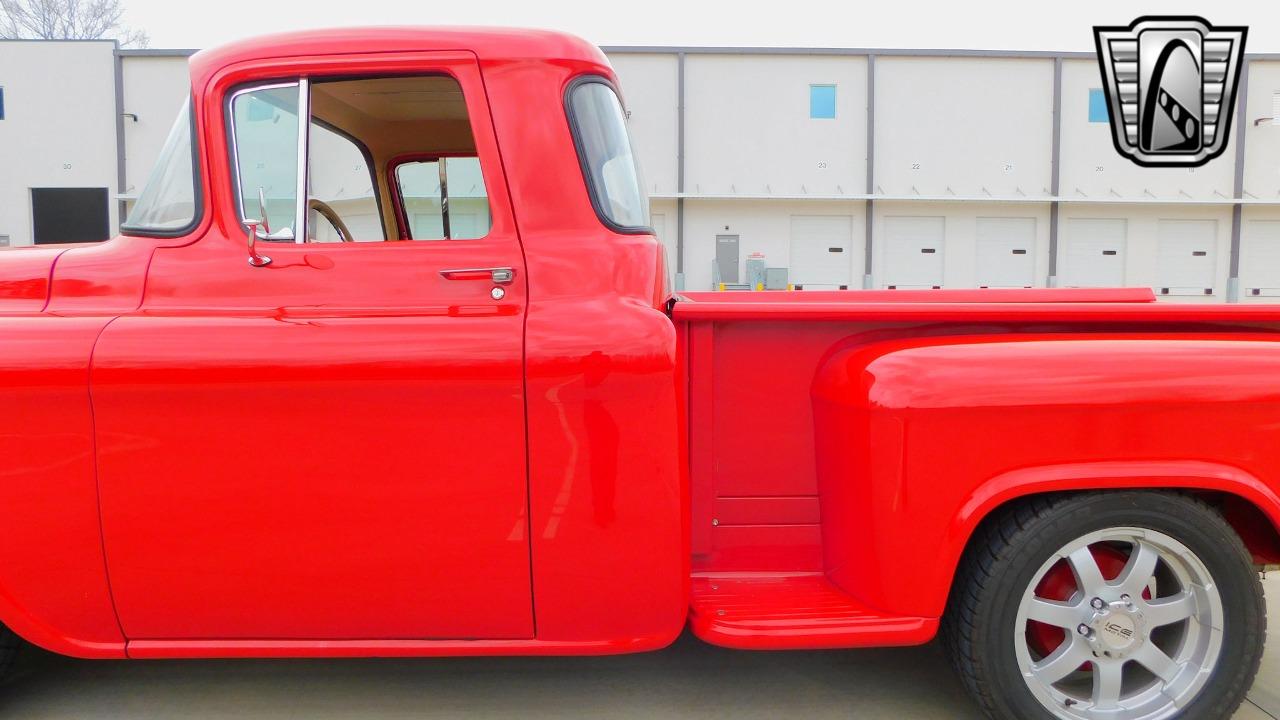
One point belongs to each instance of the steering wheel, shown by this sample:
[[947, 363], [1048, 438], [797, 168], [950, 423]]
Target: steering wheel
[[329, 214]]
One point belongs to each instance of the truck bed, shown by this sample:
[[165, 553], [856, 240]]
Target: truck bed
[[762, 576], [1082, 304]]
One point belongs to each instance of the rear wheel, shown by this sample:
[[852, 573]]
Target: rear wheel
[[1124, 605]]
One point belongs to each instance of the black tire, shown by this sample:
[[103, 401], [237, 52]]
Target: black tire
[[1005, 555], [9, 644]]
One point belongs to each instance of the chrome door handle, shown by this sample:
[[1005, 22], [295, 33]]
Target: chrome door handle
[[499, 275]]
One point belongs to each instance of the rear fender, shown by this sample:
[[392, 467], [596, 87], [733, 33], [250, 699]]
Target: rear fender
[[1191, 475]]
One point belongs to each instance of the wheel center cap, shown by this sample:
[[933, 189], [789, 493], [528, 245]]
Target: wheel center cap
[[1117, 630]]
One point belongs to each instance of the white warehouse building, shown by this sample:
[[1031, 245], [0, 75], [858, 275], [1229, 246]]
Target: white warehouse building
[[848, 168]]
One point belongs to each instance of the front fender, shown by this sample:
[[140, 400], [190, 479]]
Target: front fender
[[919, 439], [53, 577]]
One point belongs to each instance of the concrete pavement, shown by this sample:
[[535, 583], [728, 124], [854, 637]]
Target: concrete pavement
[[688, 680]]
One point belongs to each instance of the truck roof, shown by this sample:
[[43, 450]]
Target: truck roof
[[485, 43]]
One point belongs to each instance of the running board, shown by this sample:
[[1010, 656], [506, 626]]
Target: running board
[[773, 611]]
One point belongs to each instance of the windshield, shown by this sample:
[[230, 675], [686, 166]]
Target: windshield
[[167, 204]]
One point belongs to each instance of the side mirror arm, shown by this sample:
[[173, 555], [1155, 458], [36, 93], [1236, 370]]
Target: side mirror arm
[[255, 259]]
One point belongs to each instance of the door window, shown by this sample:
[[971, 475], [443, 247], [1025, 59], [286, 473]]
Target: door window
[[333, 134], [340, 180], [265, 145]]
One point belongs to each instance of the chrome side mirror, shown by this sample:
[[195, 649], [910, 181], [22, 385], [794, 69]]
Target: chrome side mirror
[[262, 212], [264, 225], [255, 259]]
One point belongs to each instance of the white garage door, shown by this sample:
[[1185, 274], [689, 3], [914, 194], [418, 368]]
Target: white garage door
[[1006, 252], [1260, 258], [1095, 252], [1187, 257], [913, 252], [820, 251]]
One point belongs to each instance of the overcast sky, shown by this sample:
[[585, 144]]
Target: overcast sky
[[981, 24]]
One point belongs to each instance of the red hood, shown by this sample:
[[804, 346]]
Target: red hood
[[24, 277]]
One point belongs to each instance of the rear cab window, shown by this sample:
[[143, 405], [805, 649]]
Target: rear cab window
[[608, 160], [441, 198]]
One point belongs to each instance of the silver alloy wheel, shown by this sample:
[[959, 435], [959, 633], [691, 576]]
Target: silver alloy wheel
[[1140, 646]]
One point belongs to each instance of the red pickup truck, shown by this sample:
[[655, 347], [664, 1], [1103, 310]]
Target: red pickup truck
[[386, 363]]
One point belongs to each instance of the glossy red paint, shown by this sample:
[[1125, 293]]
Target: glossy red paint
[[172, 649], [607, 489], [793, 611], [24, 286], [350, 452], [321, 349], [101, 279], [1191, 410], [797, 413], [53, 579], [350, 461]]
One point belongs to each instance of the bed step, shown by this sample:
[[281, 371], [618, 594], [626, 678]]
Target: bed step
[[772, 611]]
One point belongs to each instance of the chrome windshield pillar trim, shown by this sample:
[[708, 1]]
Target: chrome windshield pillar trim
[[304, 127]]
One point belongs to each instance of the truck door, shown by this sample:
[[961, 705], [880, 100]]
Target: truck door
[[329, 444]]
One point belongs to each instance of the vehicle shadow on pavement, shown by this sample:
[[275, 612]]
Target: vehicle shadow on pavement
[[689, 679]]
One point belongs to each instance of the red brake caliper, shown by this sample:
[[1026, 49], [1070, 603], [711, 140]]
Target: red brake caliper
[[1060, 584]]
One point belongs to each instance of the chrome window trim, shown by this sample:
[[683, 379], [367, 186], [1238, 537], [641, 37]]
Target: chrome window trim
[[441, 169], [304, 138]]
